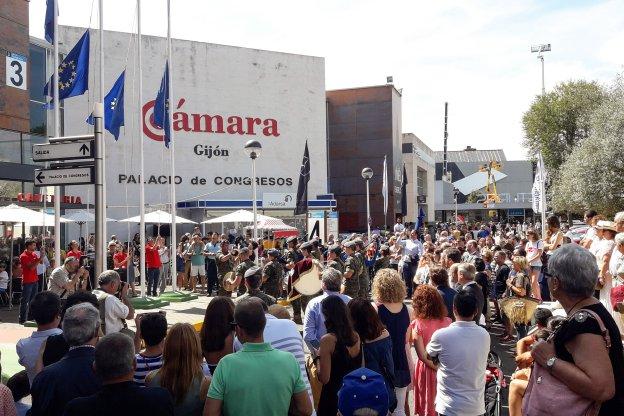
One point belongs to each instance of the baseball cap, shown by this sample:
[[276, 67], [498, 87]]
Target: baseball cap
[[363, 389]]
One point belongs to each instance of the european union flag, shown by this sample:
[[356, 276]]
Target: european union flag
[[73, 72], [161, 107], [49, 21], [113, 107]]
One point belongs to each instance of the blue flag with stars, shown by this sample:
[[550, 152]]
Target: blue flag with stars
[[49, 21], [161, 107], [73, 72], [113, 107]]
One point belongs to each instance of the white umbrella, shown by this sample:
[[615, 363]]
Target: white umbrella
[[273, 224], [158, 217], [15, 214], [82, 216], [237, 216]]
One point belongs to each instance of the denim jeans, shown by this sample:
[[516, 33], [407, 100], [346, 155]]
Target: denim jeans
[[152, 281], [29, 290]]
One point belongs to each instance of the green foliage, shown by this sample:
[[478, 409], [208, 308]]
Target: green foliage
[[593, 174], [557, 121]]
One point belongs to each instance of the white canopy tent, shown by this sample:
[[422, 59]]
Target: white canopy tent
[[158, 217], [82, 216], [273, 224], [238, 216], [16, 214]]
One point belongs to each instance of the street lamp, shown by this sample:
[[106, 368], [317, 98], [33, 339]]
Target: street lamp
[[540, 49], [367, 173], [456, 195], [253, 148]]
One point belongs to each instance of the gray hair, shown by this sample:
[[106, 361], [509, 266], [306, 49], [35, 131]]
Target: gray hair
[[331, 279], [576, 269], [114, 356], [619, 239], [619, 217], [80, 324], [467, 270], [107, 277]]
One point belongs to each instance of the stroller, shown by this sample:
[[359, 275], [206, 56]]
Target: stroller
[[494, 383]]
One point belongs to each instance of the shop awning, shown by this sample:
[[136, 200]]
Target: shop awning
[[16, 214]]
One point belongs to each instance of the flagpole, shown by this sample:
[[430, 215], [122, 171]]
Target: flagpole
[[103, 238], [543, 194], [57, 133], [173, 238], [143, 270]]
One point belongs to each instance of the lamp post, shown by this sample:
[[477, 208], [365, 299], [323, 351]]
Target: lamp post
[[455, 196], [540, 49], [367, 173], [253, 148]]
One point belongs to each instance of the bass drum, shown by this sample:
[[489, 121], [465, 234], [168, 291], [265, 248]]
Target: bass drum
[[309, 282]]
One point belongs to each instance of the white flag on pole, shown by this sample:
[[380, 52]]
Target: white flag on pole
[[384, 188], [538, 186]]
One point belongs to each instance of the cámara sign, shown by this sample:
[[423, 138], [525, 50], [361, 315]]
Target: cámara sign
[[207, 123]]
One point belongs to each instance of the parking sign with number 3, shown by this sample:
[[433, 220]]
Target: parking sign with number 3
[[16, 70]]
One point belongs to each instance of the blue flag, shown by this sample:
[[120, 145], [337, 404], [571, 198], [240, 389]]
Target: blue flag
[[49, 21], [113, 107], [161, 107], [73, 72]]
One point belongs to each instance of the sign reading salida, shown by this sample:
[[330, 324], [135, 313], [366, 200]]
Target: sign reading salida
[[207, 123]]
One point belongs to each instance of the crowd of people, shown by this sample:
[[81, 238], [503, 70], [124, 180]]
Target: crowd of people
[[395, 313]]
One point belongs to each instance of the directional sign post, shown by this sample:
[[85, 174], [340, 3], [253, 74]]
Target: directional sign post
[[65, 176], [63, 151]]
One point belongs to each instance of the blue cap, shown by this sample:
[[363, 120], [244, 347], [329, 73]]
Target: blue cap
[[363, 389]]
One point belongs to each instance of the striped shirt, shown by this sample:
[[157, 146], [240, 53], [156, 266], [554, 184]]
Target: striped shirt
[[283, 335], [145, 365]]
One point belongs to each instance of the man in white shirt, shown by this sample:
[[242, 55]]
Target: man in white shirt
[[41, 267], [399, 227], [460, 352], [113, 311], [64, 279], [412, 251], [165, 267]]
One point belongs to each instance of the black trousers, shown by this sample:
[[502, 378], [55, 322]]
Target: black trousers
[[211, 275]]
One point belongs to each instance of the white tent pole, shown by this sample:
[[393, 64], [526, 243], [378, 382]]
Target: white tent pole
[[57, 133]]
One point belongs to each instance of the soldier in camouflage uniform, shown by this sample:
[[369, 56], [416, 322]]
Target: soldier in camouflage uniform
[[245, 264], [316, 252], [273, 274], [225, 264], [353, 267], [292, 257], [363, 276], [334, 260]]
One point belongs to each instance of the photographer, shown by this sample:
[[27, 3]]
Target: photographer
[[115, 307], [68, 278]]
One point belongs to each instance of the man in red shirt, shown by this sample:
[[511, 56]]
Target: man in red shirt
[[152, 260], [29, 261]]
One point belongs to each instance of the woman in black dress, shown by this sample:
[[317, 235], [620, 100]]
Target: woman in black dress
[[339, 352]]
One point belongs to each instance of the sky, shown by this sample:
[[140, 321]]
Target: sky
[[473, 54]]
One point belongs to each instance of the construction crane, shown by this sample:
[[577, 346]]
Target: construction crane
[[491, 195]]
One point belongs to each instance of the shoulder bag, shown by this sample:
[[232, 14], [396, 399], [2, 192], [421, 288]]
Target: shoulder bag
[[546, 395]]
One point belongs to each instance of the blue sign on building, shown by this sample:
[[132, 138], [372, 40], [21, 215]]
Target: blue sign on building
[[515, 212]]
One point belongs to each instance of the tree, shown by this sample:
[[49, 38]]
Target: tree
[[593, 174], [557, 121]]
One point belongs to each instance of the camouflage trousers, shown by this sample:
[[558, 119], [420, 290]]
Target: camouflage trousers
[[363, 281], [352, 287], [271, 288]]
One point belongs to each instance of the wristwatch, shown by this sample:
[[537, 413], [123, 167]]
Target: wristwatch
[[550, 363]]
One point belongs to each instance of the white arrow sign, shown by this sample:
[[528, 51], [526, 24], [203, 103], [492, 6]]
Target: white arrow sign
[[63, 151], [64, 176]]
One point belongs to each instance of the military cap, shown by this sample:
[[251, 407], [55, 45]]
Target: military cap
[[358, 241], [336, 249], [273, 252], [244, 250], [291, 239], [306, 246], [349, 244], [253, 270]]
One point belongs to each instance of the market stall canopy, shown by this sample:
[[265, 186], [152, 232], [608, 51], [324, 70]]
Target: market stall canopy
[[273, 224], [158, 217], [83, 216], [16, 214], [237, 216]]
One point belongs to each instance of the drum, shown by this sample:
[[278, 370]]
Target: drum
[[229, 282], [519, 310], [309, 282]]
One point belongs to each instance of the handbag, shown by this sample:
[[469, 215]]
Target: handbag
[[315, 385], [617, 296], [546, 395]]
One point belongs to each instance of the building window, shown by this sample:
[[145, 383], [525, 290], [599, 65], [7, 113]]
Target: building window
[[37, 79], [421, 182], [10, 146]]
